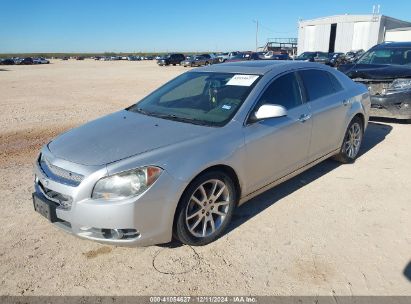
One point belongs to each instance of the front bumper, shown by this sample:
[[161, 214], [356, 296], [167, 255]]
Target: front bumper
[[395, 105], [143, 220]]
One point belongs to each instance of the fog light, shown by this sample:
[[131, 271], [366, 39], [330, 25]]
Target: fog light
[[120, 234]]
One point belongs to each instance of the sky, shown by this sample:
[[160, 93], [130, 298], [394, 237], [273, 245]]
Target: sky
[[163, 26]]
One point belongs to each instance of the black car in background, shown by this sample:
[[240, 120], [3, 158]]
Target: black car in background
[[282, 56], [27, 61], [210, 58], [353, 56], [336, 59], [386, 70], [244, 57], [306, 56], [7, 61], [173, 59]]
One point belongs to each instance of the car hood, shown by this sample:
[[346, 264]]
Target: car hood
[[121, 135], [375, 71]]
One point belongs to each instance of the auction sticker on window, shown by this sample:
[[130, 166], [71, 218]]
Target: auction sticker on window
[[242, 80]]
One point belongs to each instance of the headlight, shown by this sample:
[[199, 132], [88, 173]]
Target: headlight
[[400, 84], [126, 184]]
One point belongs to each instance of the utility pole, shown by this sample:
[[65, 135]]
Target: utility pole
[[256, 35]]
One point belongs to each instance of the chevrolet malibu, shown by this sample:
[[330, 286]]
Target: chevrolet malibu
[[178, 162]]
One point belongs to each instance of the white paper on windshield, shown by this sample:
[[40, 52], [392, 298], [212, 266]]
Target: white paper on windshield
[[242, 80]]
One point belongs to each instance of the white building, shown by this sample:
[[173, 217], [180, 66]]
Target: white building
[[398, 35], [343, 33]]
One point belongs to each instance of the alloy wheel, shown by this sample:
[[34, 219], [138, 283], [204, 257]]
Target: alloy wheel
[[207, 208], [353, 140]]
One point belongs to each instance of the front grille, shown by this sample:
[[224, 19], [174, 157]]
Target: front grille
[[59, 174], [64, 201], [375, 87]]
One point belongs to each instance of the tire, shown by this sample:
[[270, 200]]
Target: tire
[[201, 219], [352, 142]]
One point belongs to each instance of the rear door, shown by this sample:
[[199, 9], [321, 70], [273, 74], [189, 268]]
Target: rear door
[[278, 146], [329, 107]]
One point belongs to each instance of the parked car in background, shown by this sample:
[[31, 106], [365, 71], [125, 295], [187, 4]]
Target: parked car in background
[[178, 162], [211, 58], [276, 56], [323, 58], [17, 60], [244, 57], [195, 60], [27, 61], [336, 59], [173, 59], [226, 56], [386, 70], [80, 58], [7, 61], [306, 56], [65, 58], [353, 56], [133, 58], [319, 57], [40, 60]]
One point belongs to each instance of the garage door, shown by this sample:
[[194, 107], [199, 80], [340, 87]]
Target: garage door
[[309, 39], [361, 35]]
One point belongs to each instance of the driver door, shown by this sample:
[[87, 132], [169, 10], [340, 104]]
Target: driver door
[[278, 146]]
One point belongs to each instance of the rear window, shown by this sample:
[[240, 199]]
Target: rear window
[[317, 84]]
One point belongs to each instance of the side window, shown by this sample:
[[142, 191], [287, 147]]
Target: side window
[[336, 84], [317, 83], [284, 91]]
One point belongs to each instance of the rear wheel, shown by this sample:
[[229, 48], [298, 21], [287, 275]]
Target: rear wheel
[[352, 142], [205, 209]]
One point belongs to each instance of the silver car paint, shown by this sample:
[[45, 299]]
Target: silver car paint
[[261, 154]]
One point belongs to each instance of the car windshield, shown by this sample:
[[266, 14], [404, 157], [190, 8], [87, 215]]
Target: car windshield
[[306, 56], [400, 56], [201, 98], [322, 55], [239, 56]]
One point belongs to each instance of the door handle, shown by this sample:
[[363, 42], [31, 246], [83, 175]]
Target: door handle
[[304, 117]]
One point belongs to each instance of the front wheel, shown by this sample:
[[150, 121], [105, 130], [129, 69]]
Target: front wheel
[[205, 209], [352, 142]]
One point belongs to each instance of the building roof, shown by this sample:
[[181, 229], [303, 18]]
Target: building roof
[[348, 18]]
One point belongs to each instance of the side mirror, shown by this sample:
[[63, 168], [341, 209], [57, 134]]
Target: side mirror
[[269, 111]]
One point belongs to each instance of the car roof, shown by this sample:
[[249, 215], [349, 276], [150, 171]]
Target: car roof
[[260, 67], [393, 44]]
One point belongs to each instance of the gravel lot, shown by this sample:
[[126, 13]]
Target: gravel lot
[[333, 230]]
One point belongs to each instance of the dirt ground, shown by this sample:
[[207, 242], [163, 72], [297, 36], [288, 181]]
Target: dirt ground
[[333, 230]]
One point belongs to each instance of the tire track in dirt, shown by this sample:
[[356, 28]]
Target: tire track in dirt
[[21, 146]]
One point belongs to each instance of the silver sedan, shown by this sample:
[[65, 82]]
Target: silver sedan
[[178, 162]]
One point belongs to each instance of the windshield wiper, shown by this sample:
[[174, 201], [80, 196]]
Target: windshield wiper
[[184, 119], [173, 117]]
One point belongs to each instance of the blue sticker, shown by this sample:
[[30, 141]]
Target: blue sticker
[[226, 107]]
